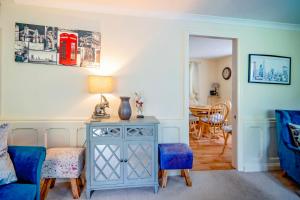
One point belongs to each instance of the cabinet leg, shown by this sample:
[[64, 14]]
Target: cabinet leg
[[88, 193], [156, 189]]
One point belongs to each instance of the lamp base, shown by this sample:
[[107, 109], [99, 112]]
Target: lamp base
[[99, 111], [99, 117]]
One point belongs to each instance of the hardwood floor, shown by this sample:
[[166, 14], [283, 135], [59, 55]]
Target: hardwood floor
[[207, 154]]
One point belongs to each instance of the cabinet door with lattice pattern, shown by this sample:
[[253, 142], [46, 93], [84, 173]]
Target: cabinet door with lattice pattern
[[139, 161], [106, 163]]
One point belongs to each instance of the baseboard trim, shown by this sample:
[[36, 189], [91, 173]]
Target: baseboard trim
[[258, 167]]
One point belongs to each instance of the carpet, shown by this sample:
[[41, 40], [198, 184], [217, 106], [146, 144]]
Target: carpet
[[207, 185]]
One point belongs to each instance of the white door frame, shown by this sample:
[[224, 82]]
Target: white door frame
[[236, 140]]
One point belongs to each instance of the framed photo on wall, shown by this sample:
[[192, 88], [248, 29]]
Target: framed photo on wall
[[269, 69]]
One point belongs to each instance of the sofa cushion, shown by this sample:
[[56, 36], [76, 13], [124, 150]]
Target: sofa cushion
[[7, 171], [295, 133], [15, 191]]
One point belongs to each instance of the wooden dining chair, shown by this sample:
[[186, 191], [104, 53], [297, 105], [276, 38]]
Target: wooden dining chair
[[227, 127], [193, 126], [215, 119], [227, 131]]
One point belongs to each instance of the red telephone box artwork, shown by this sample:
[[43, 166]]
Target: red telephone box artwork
[[56, 46], [68, 49]]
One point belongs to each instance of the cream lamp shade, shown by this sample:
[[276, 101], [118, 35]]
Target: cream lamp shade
[[100, 84]]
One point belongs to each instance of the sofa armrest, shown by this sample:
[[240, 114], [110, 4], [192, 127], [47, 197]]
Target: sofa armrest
[[293, 148], [28, 162]]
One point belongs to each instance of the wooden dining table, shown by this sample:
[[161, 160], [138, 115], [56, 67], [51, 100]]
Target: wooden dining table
[[200, 111]]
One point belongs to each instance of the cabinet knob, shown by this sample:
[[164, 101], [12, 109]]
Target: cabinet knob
[[121, 160], [125, 160]]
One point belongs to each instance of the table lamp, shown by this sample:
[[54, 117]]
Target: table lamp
[[100, 85]]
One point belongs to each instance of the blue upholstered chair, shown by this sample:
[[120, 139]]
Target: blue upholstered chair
[[289, 155], [28, 163], [175, 156]]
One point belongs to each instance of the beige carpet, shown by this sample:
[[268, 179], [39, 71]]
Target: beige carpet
[[207, 185]]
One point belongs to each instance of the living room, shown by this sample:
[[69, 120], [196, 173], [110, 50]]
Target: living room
[[145, 49]]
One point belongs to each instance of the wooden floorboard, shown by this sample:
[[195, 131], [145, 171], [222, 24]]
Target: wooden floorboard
[[207, 154]]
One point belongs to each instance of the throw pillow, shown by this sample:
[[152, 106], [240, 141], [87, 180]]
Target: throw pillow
[[295, 132], [7, 171]]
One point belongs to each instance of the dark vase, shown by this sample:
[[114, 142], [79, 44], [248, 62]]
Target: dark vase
[[124, 109]]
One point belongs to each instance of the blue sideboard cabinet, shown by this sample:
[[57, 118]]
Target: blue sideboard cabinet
[[121, 154]]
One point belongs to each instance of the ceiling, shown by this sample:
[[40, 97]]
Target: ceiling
[[283, 11], [201, 47]]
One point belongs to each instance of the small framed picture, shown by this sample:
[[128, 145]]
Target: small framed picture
[[269, 69]]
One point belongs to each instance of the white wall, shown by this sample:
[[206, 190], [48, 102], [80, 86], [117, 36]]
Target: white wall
[[226, 85], [210, 71], [206, 75], [148, 55]]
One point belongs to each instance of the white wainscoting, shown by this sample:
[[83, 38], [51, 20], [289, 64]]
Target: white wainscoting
[[47, 133], [259, 145], [61, 133], [258, 148], [172, 131]]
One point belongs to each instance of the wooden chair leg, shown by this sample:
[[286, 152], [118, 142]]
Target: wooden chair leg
[[159, 174], [182, 173], [45, 188], [82, 178], [79, 183], [75, 188], [164, 178], [197, 133], [52, 184], [187, 177], [226, 136], [283, 174]]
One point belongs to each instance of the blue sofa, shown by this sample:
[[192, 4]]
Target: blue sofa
[[28, 163], [289, 155]]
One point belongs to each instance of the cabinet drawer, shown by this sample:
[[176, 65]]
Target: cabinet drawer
[[132, 132], [106, 132]]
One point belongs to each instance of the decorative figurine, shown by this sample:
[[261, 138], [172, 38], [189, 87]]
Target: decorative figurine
[[99, 111], [139, 104]]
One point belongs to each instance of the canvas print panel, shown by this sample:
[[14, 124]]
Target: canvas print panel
[[52, 45]]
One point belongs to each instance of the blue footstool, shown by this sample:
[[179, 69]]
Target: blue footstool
[[175, 156]]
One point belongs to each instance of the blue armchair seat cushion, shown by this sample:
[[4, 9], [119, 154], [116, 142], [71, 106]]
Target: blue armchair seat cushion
[[16, 191], [175, 156], [289, 154]]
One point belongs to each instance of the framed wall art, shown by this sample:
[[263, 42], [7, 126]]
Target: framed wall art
[[56, 46], [269, 69]]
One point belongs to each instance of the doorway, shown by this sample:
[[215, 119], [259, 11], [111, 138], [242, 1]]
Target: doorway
[[212, 102]]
